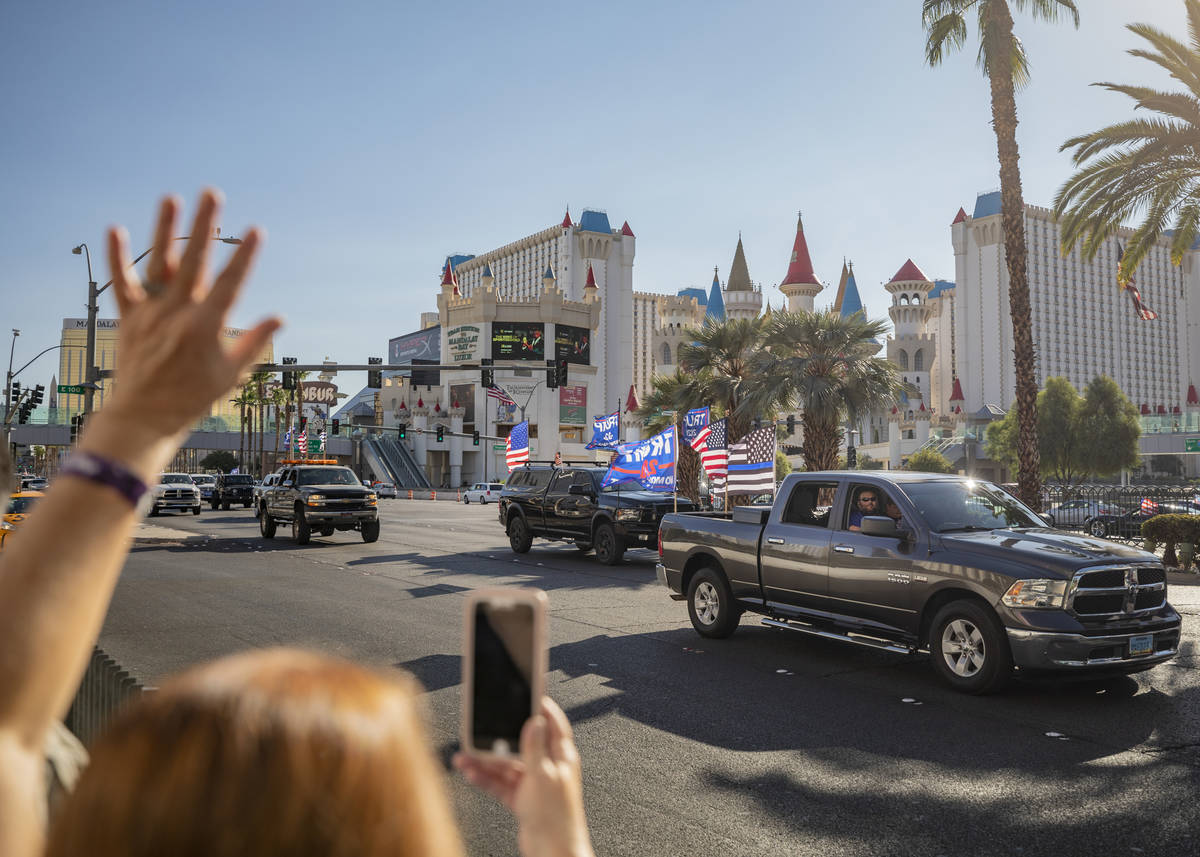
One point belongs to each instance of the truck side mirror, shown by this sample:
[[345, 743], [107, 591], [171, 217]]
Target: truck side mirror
[[581, 490], [880, 525], [1049, 520]]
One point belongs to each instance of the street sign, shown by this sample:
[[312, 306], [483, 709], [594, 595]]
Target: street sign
[[498, 447], [1191, 444], [73, 389]]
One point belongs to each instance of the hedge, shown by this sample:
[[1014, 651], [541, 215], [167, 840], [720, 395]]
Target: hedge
[[1172, 530]]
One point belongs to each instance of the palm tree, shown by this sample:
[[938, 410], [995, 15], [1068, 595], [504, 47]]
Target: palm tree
[[242, 400], [1003, 60], [278, 398], [1149, 165], [822, 363], [719, 358]]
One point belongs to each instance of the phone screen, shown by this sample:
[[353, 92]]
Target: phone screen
[[502, 695]]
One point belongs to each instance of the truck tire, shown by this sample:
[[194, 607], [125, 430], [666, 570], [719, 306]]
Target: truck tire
[[466, 500], [266, 525], [215, 504], [710, 605], [370, 531], [195, 510], [609, 546], [968, 648], [301, 531], [519, 537], [153, 511], [246, 505]]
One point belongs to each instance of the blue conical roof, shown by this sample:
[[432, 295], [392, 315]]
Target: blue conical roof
[[716, 301], [851, 300]]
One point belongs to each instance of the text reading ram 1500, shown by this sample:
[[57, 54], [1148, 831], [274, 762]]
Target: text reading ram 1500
[[944, 563]]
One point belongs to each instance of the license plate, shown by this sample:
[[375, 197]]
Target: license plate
[[1141, 645]]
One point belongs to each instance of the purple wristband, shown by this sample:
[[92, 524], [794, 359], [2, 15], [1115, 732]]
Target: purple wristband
[[104, 471]]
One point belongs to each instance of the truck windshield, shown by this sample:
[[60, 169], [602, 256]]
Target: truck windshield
[[969, 505], [327, 476], [239, 479]]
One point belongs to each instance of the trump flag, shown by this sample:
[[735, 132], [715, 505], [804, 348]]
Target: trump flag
[[650, 463], [605, 431]]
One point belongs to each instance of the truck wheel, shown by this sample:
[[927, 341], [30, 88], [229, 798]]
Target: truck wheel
[[195, 510], [301, 531], [215, 505], [224, 505], [711, 606], [466, 500], [266, 525], [584, 545], [968, 648], [519, 537], [609, 546], [370, 531], [246, 505], [153, 511]]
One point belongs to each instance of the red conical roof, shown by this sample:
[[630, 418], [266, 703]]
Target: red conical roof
[[437, 408], [800, 267], [922, 406], [591, 279], [420, 402], [1192, 398], [566, 223], [447, 275], [909, 271], [631, 402], [403, 407], [956, 392], [960, 217], [625, 230], [454, 404]]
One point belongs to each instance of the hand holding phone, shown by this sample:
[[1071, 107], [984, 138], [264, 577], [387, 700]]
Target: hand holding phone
[[504, 668]]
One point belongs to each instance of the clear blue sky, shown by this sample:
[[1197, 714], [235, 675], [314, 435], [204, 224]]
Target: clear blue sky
[[373, 139]]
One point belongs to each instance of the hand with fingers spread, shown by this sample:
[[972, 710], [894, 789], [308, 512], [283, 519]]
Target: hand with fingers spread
[[173, 362], [543, 789]]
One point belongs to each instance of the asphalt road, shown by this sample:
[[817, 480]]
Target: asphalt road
[[768, 742]]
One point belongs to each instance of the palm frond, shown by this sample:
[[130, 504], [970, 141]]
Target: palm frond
[[944, 34]]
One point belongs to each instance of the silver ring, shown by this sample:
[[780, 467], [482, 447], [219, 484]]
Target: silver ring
[[154, 288]]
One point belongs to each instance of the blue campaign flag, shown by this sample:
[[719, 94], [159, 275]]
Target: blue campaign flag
[[605, 431], [650, 463], [693, 421]]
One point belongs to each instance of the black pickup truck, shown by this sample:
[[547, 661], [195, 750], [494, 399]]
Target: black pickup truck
[[321, 498], [232, 488], [568, 503], [940, 563]]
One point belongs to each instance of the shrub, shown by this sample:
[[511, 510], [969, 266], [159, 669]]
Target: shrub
[[1172, 530]]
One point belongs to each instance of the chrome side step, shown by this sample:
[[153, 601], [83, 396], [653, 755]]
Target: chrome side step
[[847, 637]]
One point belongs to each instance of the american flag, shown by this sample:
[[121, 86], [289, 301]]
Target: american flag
[[1143, 312], [752, 463], [1149, 507], [302, 440], [499, 394], [516, 448], [715, 455]]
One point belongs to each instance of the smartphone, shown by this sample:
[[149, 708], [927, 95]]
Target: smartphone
[[504, 667]]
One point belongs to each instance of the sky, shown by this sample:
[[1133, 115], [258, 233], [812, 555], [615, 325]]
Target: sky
[[371, 140]]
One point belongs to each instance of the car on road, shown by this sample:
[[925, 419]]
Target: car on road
[[1128, 525], [483, 493], [260, 489], [1074, 513], [962, 570], [33, 483], [19, 505], [174, 491], [205, 482], [320, 498], [569, 503], [385, 489], [233, 488]]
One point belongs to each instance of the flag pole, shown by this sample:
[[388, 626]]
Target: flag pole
[[675, 432]]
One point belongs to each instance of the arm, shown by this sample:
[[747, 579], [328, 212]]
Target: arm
[[54, 591]]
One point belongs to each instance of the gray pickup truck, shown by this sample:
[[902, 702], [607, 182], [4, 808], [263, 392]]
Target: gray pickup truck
[[319, 498], [940, 563]]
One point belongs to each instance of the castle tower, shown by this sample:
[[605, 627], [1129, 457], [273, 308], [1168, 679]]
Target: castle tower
[[910, 347], [800, 284], [742, 300], [716, 303]]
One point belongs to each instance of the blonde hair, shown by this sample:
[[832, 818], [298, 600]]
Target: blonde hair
[[264, 753]]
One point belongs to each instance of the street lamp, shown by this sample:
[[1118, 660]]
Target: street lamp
[[91, 371]]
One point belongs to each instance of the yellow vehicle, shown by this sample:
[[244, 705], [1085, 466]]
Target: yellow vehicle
[[19, 505]]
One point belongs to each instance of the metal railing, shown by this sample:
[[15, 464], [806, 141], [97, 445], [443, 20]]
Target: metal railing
[[1078, 507], [105, 689]]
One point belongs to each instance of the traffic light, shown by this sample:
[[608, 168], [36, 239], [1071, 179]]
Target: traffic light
[[16, 392], [23, 413], [441, 433], [289, 378], [303, 423], [551, 375], [76, 426], [475, 438], [487, 376], [375, 376], [401, 431], [561, 373], [851, 457], [791, 424], [39, 393], [337, 426]]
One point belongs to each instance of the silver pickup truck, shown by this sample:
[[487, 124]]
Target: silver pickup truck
[[916, 561]]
